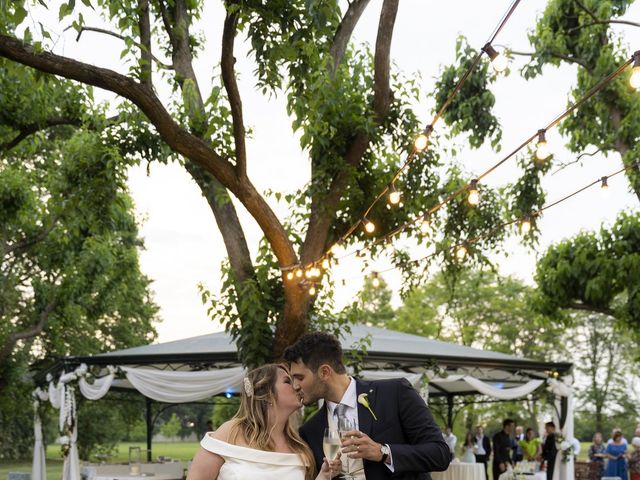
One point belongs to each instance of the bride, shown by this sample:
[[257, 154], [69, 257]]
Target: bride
[[260, 441]]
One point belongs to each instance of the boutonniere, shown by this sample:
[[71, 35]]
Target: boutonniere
[[363, 400]]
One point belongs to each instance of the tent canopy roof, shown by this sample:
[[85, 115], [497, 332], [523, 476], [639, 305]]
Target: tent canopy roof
[[388, 350]]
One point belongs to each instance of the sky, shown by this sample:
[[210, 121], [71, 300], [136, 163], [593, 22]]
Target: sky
[[183, 247]]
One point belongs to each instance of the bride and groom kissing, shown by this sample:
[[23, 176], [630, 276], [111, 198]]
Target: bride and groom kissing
[[394, 434]]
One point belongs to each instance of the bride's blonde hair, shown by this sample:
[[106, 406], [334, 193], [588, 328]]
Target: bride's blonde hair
[[252, 420]]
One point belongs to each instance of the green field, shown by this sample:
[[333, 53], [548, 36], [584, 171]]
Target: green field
[[176, 451]]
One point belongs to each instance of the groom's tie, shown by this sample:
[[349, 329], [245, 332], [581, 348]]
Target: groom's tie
[[340, 410]]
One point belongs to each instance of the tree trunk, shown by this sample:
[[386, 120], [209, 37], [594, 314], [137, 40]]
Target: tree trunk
[[295, 318]]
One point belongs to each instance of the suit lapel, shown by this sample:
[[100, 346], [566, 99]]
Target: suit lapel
[[365, 419]]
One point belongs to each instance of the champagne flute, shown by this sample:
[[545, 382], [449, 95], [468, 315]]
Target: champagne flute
[[345, 425], [331, 443]]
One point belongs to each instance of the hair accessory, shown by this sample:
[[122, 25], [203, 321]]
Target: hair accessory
[[248, 387]]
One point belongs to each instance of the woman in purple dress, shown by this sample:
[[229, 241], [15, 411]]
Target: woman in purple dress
[[616, 450]]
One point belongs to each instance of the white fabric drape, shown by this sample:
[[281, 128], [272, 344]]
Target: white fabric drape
[[415, 379], [38, 468], [181, 387], [491, 391], [71, 466], [564, 470], [503, 393], [97, 389]]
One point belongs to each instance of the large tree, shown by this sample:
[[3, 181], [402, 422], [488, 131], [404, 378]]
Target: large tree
[[353, 113], [70, 283]]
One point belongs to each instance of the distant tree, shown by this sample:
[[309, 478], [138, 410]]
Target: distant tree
[[604, 358]]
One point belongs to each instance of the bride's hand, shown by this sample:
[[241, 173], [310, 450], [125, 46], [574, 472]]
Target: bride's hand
[[332, 468]]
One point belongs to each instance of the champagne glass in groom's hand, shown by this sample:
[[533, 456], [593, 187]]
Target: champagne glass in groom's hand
[[345, 425]]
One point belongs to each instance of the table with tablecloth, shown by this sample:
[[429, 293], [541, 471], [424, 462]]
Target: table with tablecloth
[[148, 471], [461, 471]]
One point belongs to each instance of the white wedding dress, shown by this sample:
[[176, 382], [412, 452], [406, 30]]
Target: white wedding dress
[[241, 463]]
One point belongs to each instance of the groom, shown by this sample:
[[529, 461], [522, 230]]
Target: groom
[[396, 436]]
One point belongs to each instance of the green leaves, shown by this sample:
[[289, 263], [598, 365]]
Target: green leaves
[[470, 111], [596, 272]]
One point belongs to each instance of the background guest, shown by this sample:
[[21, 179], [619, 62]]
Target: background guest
[[469, 449], [451, 440], [501, 448], [634, 459], [530, 446], [598, 452], [549, 448], [616, 450], [483, 448], [517, 449]]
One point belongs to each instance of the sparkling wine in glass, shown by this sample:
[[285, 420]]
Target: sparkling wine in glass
[[345, 425], [331, 443]]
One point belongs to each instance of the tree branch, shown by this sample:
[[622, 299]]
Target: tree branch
[[144, 25], [27, 130], [382, 61], [233, 93], [585, 154], [177, 138], [345, 30], [559, 56], [31, 332], [142, 48], [591, 308], [17, 247], [600, 21], [323, 207]]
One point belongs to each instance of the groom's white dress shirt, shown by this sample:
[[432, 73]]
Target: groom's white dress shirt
[[350, 409]]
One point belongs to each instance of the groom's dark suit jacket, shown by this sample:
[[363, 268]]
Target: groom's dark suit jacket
[[404, 423]]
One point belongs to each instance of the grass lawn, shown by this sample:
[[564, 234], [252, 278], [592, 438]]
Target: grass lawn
[[176, 451]]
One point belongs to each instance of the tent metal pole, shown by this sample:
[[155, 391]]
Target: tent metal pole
[[450, 411], [149, 427]]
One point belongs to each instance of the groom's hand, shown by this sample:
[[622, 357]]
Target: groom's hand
[[359, 445]]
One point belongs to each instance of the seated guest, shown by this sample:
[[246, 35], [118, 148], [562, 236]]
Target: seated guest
[[530, 446], [598, 452]]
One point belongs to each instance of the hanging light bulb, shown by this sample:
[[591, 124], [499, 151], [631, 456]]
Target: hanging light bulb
[[394, 195], [634, 80], [474, 194], [312, 290], [604, 186], [525, 225], [308, 273], [389, 248], [421, 142], [461, 252], [542, 148], [325, 263], [299, 273], [369, 226], [375, 282], [499, 61], [424, 225], [289, 275]]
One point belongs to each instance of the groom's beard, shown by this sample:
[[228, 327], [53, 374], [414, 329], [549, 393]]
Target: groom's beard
[[318, 391]]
